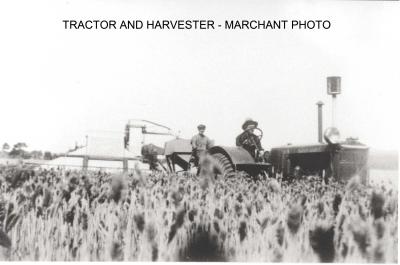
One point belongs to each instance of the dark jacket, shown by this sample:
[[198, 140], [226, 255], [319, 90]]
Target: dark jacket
[[249, 141]]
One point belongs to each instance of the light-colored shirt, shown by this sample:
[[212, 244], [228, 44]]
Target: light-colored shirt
[[200, 142]]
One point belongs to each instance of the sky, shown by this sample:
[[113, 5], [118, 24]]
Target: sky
[[58, 86]]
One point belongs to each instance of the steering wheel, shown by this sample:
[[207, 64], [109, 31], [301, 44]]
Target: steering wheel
[[259, 133]]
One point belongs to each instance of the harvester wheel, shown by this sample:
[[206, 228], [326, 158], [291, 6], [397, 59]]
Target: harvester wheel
[[223, 166]]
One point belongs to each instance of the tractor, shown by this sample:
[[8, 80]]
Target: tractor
[[335, 159]]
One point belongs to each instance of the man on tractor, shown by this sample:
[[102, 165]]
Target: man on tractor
[[249, 140], [200, 144]]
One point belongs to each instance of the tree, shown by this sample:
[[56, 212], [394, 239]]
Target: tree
[[18, 150], [48, 155], [6, 147], [36, 154]]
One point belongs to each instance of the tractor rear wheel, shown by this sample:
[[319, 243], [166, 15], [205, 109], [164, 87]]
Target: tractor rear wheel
[[223, 166]]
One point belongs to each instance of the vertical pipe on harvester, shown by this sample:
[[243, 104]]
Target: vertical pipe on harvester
[[320, 104], [333, 110]]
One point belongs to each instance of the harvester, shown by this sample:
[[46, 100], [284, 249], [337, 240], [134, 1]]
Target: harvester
[[178, 151]]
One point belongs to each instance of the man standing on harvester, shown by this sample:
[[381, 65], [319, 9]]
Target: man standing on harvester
[[248, 140], [200, 144]]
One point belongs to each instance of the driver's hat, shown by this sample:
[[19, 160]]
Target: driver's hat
[[249, 122]]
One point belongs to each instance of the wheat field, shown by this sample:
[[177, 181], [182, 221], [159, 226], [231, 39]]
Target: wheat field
[[62, 215]]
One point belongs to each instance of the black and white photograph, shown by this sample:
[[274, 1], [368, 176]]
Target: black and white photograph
[[199, 131]]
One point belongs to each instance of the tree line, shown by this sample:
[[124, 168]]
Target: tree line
[[18, 150]]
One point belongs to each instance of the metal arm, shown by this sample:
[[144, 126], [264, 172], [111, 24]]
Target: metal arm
[[144, 127], [146, 121], [141, 124]]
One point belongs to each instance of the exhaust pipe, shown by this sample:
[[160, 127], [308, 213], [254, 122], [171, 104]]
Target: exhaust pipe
[[320, 104]]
